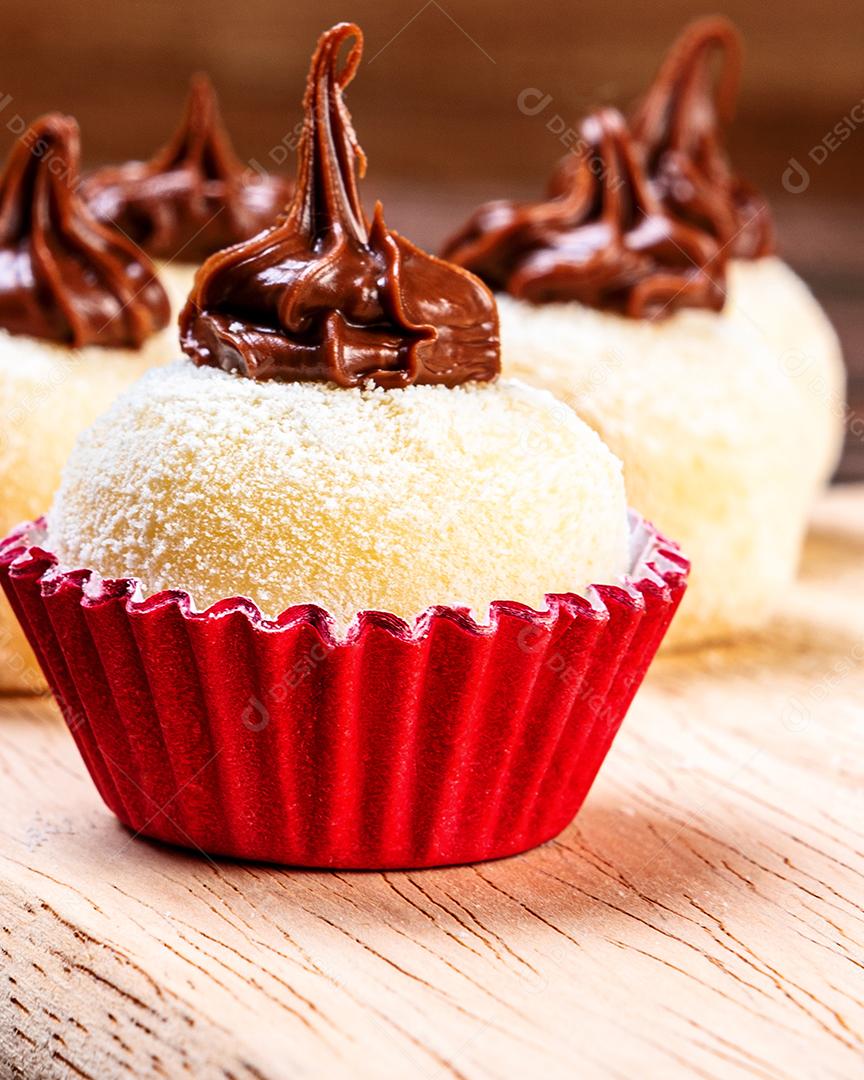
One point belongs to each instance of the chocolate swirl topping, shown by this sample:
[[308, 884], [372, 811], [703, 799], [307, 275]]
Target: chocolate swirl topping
[[194, 196], [602, 238], [63, 275], [679, 123], [324, 296]]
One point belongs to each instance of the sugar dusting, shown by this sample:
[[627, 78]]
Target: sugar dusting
[[291, 493]]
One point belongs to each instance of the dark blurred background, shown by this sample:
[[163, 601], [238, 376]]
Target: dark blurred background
[[436, 100]]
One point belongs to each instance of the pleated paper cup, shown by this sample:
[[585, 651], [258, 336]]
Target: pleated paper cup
[[397, 746]]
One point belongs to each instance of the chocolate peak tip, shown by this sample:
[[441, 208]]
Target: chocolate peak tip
[[201, 111], [60, 132], [680, 123], [604, 121], [685, 77], [201, 90], [53, 139], [326, 56], [201, 140], [330, 158]]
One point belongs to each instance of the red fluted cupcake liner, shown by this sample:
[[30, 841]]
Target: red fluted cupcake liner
[[398, 746]]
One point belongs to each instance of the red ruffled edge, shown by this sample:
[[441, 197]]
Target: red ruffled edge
[[443, 741]]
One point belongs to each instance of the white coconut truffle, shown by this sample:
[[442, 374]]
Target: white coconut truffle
[[767, 296], [707, 424], [294, 493], [48, 395]]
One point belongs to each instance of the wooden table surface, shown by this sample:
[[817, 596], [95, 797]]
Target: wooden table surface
[[704, 916]]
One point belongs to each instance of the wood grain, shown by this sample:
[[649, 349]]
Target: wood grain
[[704, 916]]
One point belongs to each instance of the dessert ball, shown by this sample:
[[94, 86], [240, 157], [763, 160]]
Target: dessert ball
[[82, 315], [643, 290], [340, 441], [707, 426], [48, 395], [353, 499], [679, 125], [768, 296]]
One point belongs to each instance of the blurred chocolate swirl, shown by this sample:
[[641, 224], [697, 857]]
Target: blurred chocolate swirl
[[64, 276], [602, 237], [324, 296], [679, 123], [194, 196]]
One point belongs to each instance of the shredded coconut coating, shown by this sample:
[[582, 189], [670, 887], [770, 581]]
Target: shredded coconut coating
[[294, 493], [768, 297], [709, 427], [48, 394]]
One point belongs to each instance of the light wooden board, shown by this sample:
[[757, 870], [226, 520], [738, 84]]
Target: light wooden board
[[704, 916]]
